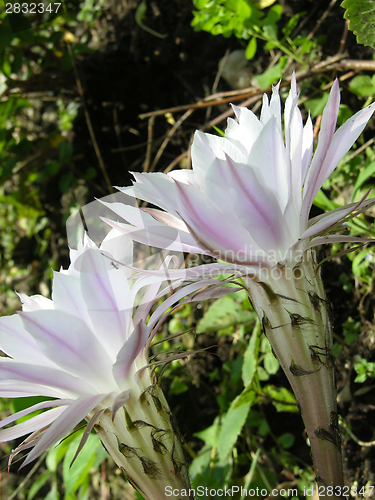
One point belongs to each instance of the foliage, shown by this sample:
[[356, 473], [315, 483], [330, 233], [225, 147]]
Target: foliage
[[248, 21], [250, 389], [361, 15], [365, 369]]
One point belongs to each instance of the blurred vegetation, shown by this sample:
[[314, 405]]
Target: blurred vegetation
[[241, 445]]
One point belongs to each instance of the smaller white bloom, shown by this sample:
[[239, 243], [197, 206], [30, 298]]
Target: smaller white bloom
[[87, 350]]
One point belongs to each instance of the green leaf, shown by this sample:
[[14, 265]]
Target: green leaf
[[281, 398], [177, 386], [361, 15], [316, 105], [176, 325], [322, 201], [251, 356], [56, 454], [201, 461], [263, 428], [292, 24], [286, 440], [242, 9], [231, 427], [20, 404], [364, 175], [361, 262], [246, 396], [251, 48], [200, 4], [362, 85], [38, 483], [7, 67], [271, 75], [270, 363], [222, 313], [364, 369], [53, 494], [76, 474], [210, 435]]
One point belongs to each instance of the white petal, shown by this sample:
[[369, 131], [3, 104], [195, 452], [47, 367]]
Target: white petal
[[160, 236], [307, 147], [331, 218], [65, 384], [118, 246], [327, 130], [275, 105], [67, 296], [32, 424], [22, 389], [185, 176], [17, 342], [244, 133], [106, 294], [256, 206], [156, 188], [65, 423], [343, 140], [166, 218], [268, 159], [334, 151], [125, 363], [35, 302], [69, 343], [217, 232], [265, 113], [36, 407], [206, 148]]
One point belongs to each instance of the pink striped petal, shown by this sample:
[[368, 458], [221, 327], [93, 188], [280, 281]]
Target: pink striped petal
[[45, 378], [327, 130], [334, 216], [343, 140], [22, 389], [248, 196], [216, 231], [155, 188], [337, 238], [120, 400], [129, 352], [67, 296], [31, 425], [69, 343], [268, 161], [158, 235], [36, 407], [104, 306], [17, 342], [166, 219], [65, 423]]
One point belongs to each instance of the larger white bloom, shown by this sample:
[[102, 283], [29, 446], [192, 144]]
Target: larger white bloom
[[248, 197], [86, 349], [247, 202]]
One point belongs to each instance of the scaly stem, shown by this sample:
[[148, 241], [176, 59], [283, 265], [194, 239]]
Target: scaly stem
[[143, 441], [292, 306]]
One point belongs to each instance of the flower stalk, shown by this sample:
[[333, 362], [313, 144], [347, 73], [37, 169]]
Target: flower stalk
[[144, 442], [295, 315]]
